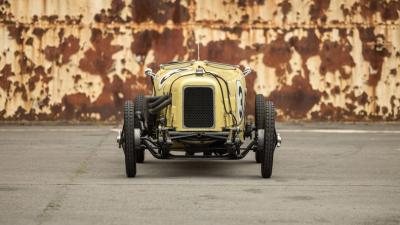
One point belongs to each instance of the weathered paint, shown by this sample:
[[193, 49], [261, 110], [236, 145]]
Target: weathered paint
[[316, 59]]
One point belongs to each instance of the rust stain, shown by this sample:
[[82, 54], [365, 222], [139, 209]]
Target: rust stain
[[26, 65], [286, 7], [393, 72], [39, 32], [277, 55], [334, 56], [75, 106], [98, 60], [61, 54], [330, 112], [361, 99], [335, 90], [307, 47], [169, 44], [111, 101], [39, 75], [166, 45], [368, 8], [158, 11], [142, 42], [77, 78], [19, 88], [227, 51], [16, 32], [113, 14], [49, 18], [249, 3], [6, 73], [5, 15], [374, 54], [296, 100], [318, 9]]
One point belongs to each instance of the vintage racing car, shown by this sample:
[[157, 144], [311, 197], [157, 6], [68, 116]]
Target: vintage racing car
[[197, 110]]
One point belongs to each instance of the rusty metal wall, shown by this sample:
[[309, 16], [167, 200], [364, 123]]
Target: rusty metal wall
[[316, 59]]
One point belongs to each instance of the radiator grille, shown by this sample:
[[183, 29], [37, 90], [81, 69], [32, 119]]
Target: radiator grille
[[198, 109]]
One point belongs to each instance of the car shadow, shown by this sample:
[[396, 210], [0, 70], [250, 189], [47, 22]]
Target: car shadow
[[198, 168]]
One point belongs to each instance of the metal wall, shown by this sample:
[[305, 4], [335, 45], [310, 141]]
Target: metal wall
[[316, 59]]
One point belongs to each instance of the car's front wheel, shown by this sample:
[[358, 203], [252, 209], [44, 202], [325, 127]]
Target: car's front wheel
[[259, 120], [267, 155], [139, 107], [129, 139]]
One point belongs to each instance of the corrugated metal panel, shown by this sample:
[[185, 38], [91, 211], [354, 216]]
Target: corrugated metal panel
[[316, 59]]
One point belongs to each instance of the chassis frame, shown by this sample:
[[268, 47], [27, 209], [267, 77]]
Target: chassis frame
[[160, 148]]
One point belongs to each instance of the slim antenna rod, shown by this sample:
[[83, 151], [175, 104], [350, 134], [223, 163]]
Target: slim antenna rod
[[198, 51]]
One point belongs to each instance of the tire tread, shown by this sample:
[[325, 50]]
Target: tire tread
[[259, 119], [129, 145], [269, 138], [139, 106]]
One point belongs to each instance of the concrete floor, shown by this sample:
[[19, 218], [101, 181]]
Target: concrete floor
[[323, 174]]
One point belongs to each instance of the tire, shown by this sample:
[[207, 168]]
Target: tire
[[259, 119], [139, 107], [270, 140], [129, 139]]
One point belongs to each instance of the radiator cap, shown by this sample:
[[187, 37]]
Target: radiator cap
[[200, 71]]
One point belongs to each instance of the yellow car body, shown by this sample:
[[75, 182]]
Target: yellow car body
[[174, 78]]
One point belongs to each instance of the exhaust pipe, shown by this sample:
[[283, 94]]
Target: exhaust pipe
[[154, 110], [158, 101]]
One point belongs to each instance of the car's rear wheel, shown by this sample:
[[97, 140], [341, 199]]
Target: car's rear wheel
[[269, 140], [259, 120], [129, 139], [139, 107]]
